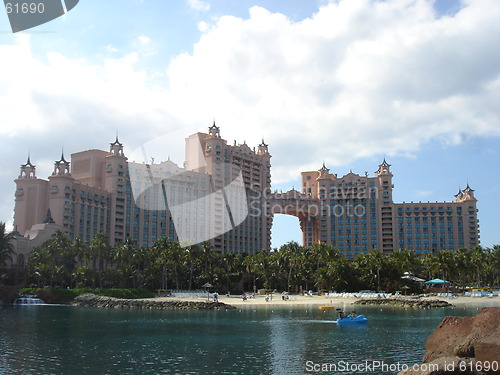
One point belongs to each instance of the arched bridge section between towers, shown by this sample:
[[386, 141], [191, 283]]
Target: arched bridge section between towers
[[303, 206], [294, 203]]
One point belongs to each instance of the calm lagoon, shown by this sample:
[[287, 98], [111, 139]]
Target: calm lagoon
[[268, 340]]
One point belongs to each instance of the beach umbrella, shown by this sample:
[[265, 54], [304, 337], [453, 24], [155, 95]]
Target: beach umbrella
[[207, 286], [413, 278], [436, 282]]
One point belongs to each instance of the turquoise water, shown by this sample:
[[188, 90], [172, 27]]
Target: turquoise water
[[269, 340]]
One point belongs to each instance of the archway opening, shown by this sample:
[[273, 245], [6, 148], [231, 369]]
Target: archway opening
[[285, 228]]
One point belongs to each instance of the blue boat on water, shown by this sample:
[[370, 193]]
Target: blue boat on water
[[350, 320]]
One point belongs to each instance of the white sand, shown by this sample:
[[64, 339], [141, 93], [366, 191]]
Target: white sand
[[299, 300]]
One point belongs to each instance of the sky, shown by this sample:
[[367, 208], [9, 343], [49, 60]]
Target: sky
[[344, 82]]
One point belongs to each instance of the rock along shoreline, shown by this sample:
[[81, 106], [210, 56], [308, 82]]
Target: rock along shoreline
[[404, 302], [91, 300]]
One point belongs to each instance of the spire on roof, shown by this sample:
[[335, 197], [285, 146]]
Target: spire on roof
[[385, 163], [468, 188], [459, 192], [48, 218], [28, 163], [215, 127], [62, 160], [116, 142], [323, 167]]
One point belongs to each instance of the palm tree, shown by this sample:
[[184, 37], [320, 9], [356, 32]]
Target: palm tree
[[6, 246], [209, 257], [294, 257], [123, 257], [463, 265], [477, 259], [80, 249], [191, 254], [229, 263], [160, 248], [445, 260], [431, 265], [100, 252], [405, 260], [493, 265], [327, 258], [375, 262], [336, 274]]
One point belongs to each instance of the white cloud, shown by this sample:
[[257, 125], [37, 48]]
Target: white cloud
[[358, 78], [144, 40], [199, 5], [111, 49], [49, 103]]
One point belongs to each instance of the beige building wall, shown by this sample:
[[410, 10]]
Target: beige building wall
[[87, 167]]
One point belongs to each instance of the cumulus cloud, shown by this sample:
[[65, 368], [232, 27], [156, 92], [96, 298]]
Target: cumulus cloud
[[199, 5], [53, 102], [356, 79]]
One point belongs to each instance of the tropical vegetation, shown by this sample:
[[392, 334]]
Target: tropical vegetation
[[6, 246], [65, 263]]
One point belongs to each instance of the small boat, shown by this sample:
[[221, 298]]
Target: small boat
[[326, 307], [359, 319]]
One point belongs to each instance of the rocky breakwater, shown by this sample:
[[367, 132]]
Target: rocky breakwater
[[469, 346], [92, 300], [404, 302]]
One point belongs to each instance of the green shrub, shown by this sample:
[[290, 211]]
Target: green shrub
[[60, 295], [28, 291]]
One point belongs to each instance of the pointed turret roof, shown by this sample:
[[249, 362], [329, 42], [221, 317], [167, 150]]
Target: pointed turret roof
[[48, 218], [324, 168], [214, 126], [62, 161], [263, 143], [116, 142], [468, 188], [459, 192], [28, 163], [385, 163]]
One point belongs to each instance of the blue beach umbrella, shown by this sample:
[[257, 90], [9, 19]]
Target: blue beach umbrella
[[437, 282]]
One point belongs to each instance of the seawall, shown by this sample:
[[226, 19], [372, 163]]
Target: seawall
[[91, 300], [404, 302]]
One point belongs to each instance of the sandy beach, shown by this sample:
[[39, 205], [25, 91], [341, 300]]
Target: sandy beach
[[301, 300]]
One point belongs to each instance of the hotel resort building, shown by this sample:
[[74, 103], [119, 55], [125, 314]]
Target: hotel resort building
[[222, 195], [356, 214], [217, 196]]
